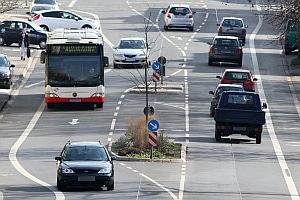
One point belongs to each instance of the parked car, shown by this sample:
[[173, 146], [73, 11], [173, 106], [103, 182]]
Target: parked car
[[52, 19], [85, 164], [226, 49], [179, 16], [233, 26], [217, 93], [10, 30], [290, 36], [6, 72], [131, 52], [52, 3], [39, 7], [239, 76]]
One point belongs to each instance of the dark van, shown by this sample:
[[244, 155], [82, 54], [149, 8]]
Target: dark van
[[10, 30], [290, 36]]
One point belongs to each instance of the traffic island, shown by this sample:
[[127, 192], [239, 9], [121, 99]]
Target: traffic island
[[160, 88]]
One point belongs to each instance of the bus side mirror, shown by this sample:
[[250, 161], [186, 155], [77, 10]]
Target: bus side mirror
[[42, 57], [106, 61]]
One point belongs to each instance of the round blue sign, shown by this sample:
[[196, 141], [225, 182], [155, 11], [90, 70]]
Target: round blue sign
[[156, 66], [153, 125]]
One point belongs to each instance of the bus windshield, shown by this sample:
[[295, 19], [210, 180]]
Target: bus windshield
[[79, 71]]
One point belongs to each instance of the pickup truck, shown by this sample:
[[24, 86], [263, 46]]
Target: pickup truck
[[239, 112]]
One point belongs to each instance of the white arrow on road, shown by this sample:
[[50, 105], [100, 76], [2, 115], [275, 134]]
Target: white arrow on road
[[74, 121]]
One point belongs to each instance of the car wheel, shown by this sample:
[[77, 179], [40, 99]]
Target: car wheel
[[2, 40], [258, 138], [217, 135], [240, 63], [116, 66], [210, 63], [60, 186], [44, 27], [191, 28], [212, 112], [111, 186], [287, 51], [86, 26], [42, 43], [99, 105]]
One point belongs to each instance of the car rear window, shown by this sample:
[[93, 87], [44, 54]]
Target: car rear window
[[241, 99], [226, 42], [179, 10], [232, 23], [52, 2], [237, 76]]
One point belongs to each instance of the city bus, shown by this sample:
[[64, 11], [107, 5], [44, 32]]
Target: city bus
[[74, 67]]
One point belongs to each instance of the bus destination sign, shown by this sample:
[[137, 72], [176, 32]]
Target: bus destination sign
[[74, 49]]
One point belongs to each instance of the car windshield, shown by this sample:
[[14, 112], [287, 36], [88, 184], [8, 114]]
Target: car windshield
[[52, 2], [3, 62], [227, 88], [132, 44], [226, 42], [39, 8], [85, 153]]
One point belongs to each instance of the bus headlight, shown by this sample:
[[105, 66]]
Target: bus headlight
[[50, 95], [98, 95]]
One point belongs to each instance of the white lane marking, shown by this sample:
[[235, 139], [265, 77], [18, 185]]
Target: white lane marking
[[34, 84], [276, 145], [13, 152], [72, 3]]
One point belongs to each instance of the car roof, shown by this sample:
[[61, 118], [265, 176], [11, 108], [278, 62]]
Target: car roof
[[232, 18], [236, 70], [225, 37], [132, 38], [44, 11], [229, 85], [179, 5], [84, 143]]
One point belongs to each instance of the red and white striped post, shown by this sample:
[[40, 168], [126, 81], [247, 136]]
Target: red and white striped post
[[152, 139]]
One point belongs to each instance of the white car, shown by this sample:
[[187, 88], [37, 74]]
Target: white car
[[52, 19], [52, 3], [131, 52], [39, 7]]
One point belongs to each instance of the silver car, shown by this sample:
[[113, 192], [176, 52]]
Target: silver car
[[131, 52], [6, 72], [233, 26], [179, 16]]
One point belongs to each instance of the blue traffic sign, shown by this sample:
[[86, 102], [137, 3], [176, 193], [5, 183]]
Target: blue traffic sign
[[153, 125], [156, 66]]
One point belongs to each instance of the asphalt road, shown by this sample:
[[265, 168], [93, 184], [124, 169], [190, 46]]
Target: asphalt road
[[237, 168]]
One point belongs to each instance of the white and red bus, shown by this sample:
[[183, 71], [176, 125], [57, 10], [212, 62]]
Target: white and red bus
[[74, 67]]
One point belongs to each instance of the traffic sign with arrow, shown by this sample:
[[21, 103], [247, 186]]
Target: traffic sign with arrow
[[153, 125]]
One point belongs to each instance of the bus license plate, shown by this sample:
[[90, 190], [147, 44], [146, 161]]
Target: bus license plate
[[86, 178], [75, 100]]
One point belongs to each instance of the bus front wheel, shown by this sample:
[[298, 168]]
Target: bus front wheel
[[99, 105], [50, 105]]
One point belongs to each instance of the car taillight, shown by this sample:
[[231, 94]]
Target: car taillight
[[239, 52], [214, 99], [244, 31], [168, 15], [36, 17], [191, 15], [220, 30], [211, 50]]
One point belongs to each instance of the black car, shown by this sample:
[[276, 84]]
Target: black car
[[10, 30], [85, 164], [6, 72], [227, 49]]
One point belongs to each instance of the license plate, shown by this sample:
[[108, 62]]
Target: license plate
[[226, 51], [239, 128], [129, 59], [75, 100], [86, 178], [232, 31]]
